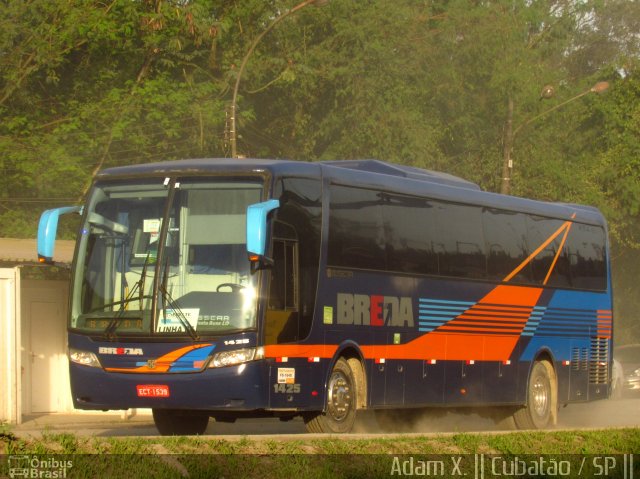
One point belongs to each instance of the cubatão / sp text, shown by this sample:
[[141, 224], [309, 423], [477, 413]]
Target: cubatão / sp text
[[495, 466]]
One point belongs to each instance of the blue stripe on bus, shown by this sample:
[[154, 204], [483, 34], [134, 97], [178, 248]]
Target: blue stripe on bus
[[433, 313]]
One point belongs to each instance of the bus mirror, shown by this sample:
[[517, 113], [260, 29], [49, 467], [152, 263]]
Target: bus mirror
[[257, 230], [47, 229]]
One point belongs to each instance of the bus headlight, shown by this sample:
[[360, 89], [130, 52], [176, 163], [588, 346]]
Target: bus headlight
[[85, 358], [236, 356]]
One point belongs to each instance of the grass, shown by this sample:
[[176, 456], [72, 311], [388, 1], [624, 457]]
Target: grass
[[301, 458]]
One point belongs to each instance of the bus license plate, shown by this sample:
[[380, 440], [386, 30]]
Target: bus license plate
[[153, 390]]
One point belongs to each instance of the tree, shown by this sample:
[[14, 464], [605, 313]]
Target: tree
[[86, 85], [618, 165], [347, 85]]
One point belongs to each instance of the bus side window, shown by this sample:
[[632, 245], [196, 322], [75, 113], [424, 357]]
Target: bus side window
[[540, 230], [282, 318], [506, 244], [283, 287], [587, 247]]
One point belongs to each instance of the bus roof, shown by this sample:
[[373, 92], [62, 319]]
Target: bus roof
[[212, 165], [369, 174]]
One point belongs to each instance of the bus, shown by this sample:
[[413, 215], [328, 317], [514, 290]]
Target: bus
[[226, 289]]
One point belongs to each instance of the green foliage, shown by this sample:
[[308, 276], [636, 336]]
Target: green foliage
[[606, 441], [86, 85], [304, 457], [619, 162], [357, 90]]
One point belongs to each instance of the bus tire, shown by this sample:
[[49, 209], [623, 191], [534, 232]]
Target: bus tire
[[175, 422], [341, 394], [542, 399]]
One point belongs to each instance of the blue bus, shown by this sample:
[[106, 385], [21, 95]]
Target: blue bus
[[252, 288]]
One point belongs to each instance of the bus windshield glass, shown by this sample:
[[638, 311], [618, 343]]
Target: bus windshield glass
[[165, 258]]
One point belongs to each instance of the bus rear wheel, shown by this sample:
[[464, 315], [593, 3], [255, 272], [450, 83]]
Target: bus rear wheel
[[541, 398], [176, 422], [340, 413]]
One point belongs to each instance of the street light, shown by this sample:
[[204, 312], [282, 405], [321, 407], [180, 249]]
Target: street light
[[510, 133], [232, 121]]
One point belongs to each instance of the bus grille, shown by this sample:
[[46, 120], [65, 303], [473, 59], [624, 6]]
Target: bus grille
[[580, 359], [599, 364]]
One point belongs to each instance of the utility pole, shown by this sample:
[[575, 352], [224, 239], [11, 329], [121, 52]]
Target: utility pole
[[510, 133], [233, 133]]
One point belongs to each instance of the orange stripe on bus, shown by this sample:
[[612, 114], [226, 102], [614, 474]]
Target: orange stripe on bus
[[447, 346], [513, 295], [300, 350], [163, 363], [434, 345], [439, 344], [458, 327], [566, 224], [558, 253], [494, 319]]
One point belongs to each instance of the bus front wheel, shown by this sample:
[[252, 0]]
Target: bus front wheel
[[340, 413], [174, 422], [541, 398]]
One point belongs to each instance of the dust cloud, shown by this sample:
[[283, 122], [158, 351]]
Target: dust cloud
[[597, 414]]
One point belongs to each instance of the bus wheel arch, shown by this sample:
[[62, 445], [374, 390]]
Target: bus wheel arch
[[345, 393], [541, 408], [354, 358], [351, 353]]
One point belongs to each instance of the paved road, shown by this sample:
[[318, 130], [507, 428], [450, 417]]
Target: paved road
[[618, 413]]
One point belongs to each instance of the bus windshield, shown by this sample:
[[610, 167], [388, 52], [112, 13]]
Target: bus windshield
[[165, 258]]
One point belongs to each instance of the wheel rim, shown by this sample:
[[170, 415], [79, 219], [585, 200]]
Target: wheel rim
[[540, 397], [339, 400]]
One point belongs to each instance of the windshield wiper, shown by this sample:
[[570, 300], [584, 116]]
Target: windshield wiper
[[167, 299], [109, 331], [121, 303], [140, 282]]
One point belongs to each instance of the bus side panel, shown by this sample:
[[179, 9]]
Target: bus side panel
[[425, 382], [387, 314], [377, 370], [501, 379], [432, 341], [576, 328], [292, 383]]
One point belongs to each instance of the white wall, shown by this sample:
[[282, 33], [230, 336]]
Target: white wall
[[10, 339], [45, 367], [34, 368]]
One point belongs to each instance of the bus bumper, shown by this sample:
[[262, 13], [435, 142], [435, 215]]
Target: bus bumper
[[241, 387]]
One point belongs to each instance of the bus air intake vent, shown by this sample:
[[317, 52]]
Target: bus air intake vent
[[579, 359], [599, 363]]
